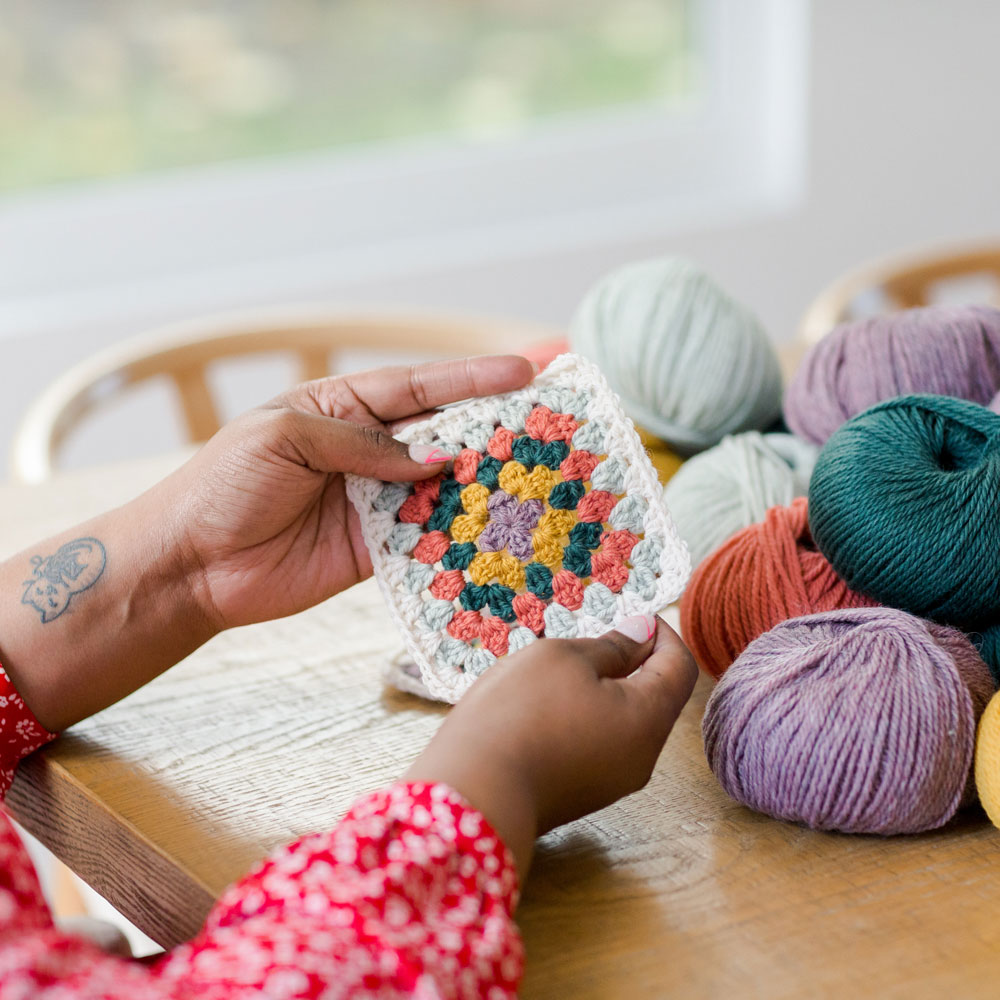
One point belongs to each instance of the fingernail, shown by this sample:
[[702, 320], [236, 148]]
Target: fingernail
[[638, 628], [536, 367], [428, 454]]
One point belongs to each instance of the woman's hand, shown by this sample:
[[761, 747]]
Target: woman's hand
[[257, 525], [562, 728], [263, 508]]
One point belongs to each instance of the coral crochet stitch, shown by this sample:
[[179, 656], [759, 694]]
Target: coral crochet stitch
[[549, 522]]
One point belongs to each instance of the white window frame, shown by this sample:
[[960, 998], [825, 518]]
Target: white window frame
[[274, 230]]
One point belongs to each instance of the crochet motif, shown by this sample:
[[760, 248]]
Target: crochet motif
[[549, 522]]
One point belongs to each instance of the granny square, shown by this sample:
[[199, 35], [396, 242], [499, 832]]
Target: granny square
[[549, 522]]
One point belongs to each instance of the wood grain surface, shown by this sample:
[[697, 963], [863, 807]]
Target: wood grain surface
[[271, 731]]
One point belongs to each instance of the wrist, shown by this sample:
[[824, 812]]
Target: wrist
[[171, 508], [494, 788], [124, 617], [169, 568]]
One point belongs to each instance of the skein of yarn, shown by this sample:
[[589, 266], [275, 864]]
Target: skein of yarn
[[689, 363], [987, 769], [733, 485], [942, 350], [763, 575], [902, 501], [665, 461], [859, 720]]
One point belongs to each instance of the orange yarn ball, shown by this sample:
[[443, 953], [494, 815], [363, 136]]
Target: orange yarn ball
[[763, 575]]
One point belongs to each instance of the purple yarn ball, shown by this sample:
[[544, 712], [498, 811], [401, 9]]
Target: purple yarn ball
[[862, 721], [941, 350]]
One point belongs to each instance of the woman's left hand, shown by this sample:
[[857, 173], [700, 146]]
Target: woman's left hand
[[262, 510]]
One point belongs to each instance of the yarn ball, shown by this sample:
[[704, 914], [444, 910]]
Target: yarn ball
[[665, 461], [733, 485], [689, 363], [942, 350], [761, 576], [988, 760], [859, 720], [903, 502]]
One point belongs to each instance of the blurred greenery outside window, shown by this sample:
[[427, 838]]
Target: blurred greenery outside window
[[116, 87]]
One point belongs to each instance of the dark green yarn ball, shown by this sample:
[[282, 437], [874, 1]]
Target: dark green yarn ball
[[987, 641], [903, 501]]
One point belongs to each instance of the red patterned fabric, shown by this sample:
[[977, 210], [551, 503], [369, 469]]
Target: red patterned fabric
[[20, 732], [412, 894]]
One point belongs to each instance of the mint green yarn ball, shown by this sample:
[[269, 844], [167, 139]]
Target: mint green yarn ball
[[690, 363], [733, 485]]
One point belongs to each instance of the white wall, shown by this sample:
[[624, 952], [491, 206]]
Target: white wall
[[904, 148]]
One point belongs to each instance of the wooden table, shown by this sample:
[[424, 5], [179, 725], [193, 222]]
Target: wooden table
[[271, 731]]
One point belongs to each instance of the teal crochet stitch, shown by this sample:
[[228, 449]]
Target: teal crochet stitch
[[903, 502]]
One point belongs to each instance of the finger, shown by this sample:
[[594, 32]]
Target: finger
[[326, 444], [619, 653], [666, 678], [396, 393]]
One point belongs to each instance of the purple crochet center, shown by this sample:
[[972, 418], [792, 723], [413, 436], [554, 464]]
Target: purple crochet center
[[511, 524]]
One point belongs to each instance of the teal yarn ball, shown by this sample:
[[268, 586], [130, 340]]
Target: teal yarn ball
[[690, 363], [733, 485], [903, 502]]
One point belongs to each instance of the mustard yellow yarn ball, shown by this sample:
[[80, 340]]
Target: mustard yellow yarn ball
[[988, 759], [665, 461]]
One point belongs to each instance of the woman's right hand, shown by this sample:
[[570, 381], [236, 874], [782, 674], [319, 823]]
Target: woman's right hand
[[562, 728]]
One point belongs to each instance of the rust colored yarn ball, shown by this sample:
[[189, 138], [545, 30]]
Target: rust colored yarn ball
[[763, 575]]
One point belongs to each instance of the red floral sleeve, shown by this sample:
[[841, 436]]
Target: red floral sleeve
[[20, 732], [411, 895]]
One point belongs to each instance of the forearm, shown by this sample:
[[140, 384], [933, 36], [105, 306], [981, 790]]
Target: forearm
[[91, 614]]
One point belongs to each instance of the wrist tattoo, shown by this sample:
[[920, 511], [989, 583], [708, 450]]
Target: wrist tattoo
[[74, 568]]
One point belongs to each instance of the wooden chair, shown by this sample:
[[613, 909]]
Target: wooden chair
[[184, 354], [903, 282]]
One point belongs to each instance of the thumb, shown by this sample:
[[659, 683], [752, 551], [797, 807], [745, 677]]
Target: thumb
[[327, 444], [623, 651], [667, 677]]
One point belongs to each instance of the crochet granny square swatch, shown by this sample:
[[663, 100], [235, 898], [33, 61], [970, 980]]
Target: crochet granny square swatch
[[549, 522]]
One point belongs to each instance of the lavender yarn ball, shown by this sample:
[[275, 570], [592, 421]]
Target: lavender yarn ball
[[861, 721], [940, 350]]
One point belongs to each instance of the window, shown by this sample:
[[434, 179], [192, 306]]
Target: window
[[112, 87], [261, 152]]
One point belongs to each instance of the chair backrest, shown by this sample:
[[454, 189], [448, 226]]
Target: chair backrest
[[183, 353], [903, 282]]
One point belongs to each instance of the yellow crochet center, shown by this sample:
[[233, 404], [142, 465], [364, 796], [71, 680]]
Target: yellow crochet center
[[469, 526], [474, 498], [547, 539], [504, 567], [511, 477]]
